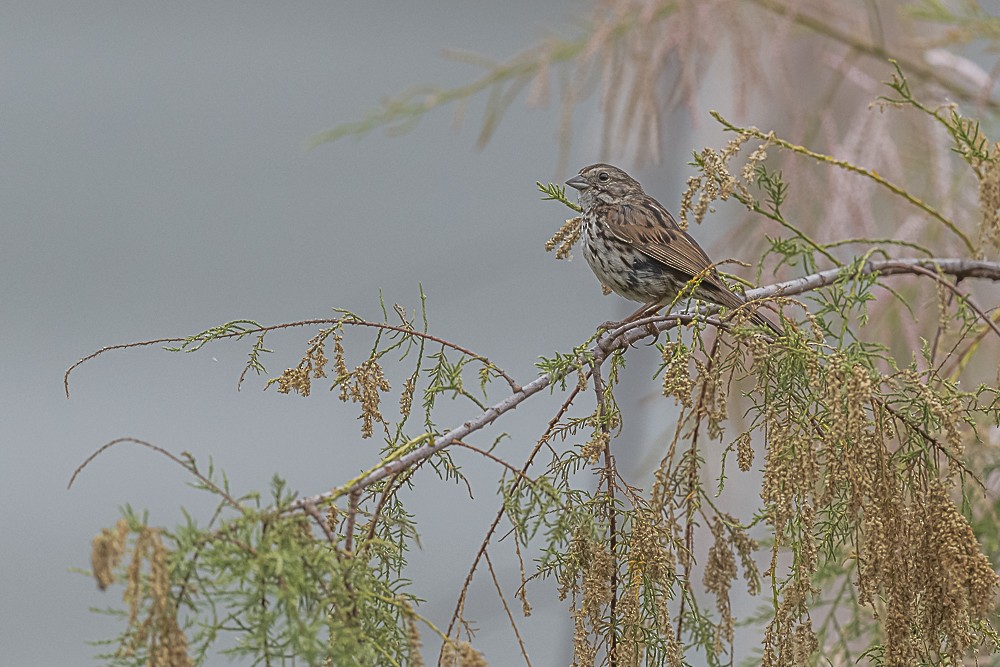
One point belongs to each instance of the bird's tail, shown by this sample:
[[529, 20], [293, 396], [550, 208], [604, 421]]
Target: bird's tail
[[732, 301], [758, 318]]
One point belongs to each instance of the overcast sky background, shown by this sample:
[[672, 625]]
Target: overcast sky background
[[156, 181]]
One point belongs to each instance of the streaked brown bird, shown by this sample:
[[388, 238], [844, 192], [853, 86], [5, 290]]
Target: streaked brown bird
[[637, 250]]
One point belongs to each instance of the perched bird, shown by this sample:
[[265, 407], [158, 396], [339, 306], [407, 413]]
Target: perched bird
[[636, 249]]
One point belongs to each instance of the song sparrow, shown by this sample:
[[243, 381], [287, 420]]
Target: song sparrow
[[636, 249]]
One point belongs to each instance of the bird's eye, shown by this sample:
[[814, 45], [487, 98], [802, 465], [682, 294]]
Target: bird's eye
[[604, 177]]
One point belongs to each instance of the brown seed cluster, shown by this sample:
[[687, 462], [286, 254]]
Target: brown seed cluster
[[367, 386], [864, 468], [716, 182], [788, 643], [989, 203], [593, 448], [714, 403], [677, 381], [413, 637], [642, 619], [364, 385], [461, 654], [564, 239], [106, 553], [744, 452], [406, 397], [152, 615], [720, 571], [340, 365], [586, 578], [312, 366], [923, 561], [650, 553], [296, 379]]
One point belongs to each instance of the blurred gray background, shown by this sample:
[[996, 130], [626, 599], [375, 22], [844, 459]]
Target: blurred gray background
[[156, 181]]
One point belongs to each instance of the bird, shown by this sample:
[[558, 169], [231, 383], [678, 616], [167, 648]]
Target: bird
[[637, 250]]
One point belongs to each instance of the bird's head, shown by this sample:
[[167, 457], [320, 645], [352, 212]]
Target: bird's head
[[604, 182]]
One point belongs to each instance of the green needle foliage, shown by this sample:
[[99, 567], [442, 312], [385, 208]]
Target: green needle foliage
[[874, 538]]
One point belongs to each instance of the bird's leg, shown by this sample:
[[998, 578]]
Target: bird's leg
[[645, 310]]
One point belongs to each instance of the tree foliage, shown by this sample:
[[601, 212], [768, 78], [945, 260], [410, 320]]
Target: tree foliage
[[868, 425]]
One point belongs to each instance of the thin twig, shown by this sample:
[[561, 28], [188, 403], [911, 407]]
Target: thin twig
[[827, 28], [347, 321], [122, 346], [961, 295], [851, 167], [952, 369], [159, 450], [382, 499], [609, 477], [311, 510], [542, 441], [495, 459], [352, 517], [503, 601], [939, 446]]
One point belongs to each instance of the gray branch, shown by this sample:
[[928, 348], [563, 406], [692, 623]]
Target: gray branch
[[635, 331]]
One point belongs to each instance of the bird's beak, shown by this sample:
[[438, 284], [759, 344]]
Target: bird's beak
[[578, 182]]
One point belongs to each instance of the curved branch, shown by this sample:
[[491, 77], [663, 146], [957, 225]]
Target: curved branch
[[347, 321], [960, 268], [618, 339], [184, 462]]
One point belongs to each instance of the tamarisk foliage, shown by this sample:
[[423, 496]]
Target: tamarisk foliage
[[875, 536]]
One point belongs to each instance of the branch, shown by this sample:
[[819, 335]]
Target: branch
[[609, 473], [619, 339], [848, 166], [185, 461], [960, 268], [546, 436], [344, 321], [826, 28]]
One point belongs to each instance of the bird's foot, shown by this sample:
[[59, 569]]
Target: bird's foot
[[609, 325]]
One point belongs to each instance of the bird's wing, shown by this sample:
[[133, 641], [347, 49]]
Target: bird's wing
[[651, 230]]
